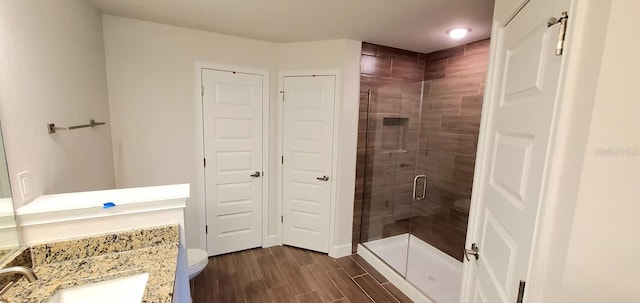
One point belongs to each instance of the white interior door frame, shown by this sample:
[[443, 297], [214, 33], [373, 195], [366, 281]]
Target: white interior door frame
[[333, 250], [200, 154], [579, 77], [567, 137]]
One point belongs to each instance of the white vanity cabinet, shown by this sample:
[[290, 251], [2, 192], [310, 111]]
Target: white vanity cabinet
[[72, 215]]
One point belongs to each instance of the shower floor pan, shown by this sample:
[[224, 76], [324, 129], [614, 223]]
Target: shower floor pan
[[433, 272]]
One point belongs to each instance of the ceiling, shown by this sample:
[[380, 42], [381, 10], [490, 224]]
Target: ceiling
[[418, 25]]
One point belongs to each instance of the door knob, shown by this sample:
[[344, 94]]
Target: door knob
[[257, 174], [474, 251], [323, 178]]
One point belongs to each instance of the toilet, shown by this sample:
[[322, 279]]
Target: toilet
[[197, 260]]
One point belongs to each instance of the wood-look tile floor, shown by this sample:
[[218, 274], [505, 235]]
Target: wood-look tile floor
[[286, 274]]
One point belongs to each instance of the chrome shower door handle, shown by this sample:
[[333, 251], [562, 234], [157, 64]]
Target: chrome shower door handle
[[415, 184], [323, 178], [424, 188], [255, 175]]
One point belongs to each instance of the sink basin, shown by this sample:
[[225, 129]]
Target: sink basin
[[128, 289]]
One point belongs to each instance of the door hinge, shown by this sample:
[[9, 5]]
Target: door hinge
[[282, 92], [282, 159], [205, 162], [206, 229], [563, 31], [281, 219], [202, 90], [520, 292]]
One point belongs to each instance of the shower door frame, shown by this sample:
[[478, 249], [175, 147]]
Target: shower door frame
[[395, 154], [399, 279], [419, 180]]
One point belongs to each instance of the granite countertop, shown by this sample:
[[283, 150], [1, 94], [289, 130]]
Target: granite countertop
[[77, 262]]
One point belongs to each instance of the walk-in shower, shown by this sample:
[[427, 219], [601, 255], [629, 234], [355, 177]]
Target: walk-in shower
[[417, 150]]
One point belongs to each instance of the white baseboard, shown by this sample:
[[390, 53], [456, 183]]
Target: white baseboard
[[339, 251], [271, 240], [393, 277]]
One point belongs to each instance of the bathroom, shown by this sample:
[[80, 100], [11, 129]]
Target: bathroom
[[404, 135]]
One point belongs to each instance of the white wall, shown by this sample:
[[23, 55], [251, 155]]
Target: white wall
[[150, 70], [601, 261], [52, 69]]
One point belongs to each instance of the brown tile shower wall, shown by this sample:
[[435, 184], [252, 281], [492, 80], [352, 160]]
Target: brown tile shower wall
[[449, 139], [445, 152], [394, 77]]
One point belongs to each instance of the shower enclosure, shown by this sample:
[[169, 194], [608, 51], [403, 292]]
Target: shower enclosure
[[417, 141], [420, 145]]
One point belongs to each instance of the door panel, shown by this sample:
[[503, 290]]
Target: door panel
[[232, 115], [517, 137], [307, 150]]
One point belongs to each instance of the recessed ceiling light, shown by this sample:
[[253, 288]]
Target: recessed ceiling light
[[458, 33]]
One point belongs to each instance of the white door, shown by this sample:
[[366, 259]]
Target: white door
[[232, 118], [307, 150], [517, 134]]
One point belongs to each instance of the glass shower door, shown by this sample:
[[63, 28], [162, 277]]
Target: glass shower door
[[393, 127], [418, 175], [439, 214], [419, 161]]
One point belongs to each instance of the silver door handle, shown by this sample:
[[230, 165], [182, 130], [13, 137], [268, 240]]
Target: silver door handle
[[256, 174], [424, 189], [323, 178], [474, 251]]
